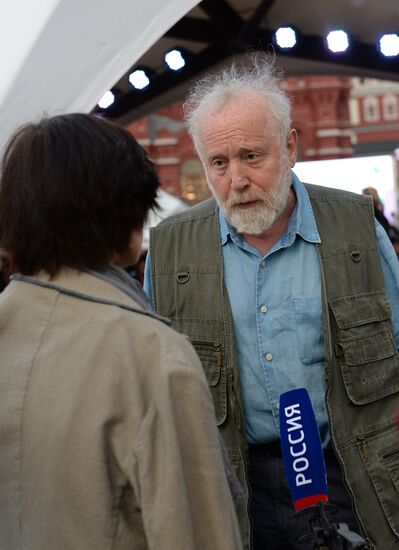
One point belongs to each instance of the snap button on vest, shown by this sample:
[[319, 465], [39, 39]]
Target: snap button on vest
[[339, 350], [356, 255], [182, 277]]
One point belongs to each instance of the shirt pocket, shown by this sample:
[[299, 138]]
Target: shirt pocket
[[365, 347], [309, 329]]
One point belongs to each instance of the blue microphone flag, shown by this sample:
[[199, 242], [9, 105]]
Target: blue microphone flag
[[302, 450]]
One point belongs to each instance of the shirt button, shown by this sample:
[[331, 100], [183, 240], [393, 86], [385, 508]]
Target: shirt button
[[263, 309], [268, 356], [263, 263]]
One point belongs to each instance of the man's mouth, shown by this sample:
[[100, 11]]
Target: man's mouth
[[247, 204]]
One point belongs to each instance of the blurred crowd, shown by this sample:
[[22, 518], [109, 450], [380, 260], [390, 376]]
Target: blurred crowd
[[392, 230]]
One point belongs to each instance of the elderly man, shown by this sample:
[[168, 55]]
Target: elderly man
[[279, 285]]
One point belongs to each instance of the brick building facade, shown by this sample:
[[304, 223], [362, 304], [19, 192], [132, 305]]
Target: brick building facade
[[336, 117]]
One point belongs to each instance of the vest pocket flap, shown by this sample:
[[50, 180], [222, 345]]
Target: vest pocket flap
[[367, 349], [211, 358], [352, 311], [210, 354], [370, 370]]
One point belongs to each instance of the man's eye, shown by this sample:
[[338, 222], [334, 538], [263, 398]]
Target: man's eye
[[217, 163], [252, 156]]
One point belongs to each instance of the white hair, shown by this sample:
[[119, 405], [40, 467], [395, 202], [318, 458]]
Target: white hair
[[257, 73]]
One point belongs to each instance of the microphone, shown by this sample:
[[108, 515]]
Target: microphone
[[302, 450], [306, 473]]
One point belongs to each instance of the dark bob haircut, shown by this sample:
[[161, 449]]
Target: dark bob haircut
[[73, 188]]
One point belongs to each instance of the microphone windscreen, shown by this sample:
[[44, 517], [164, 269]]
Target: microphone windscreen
[[302, 449]]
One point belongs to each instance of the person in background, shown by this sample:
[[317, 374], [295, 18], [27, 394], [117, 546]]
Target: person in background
[[378, 207], [391, 230], [107, 427], [279, 285]]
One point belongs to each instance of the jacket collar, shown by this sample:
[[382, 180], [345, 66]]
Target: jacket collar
[[89, 286]]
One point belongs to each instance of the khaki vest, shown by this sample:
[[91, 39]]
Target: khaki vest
[[361, 359]]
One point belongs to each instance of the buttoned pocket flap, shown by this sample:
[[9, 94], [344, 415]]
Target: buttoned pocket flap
[[210, 363], [367, 349], [351, 311], [210, 354]]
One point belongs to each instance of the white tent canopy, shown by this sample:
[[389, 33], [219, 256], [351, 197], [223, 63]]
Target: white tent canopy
[[60, 56], [168, 205]]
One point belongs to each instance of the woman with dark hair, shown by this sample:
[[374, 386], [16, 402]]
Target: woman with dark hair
[[107, 427]]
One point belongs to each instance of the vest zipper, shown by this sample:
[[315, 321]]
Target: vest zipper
[[238, 421], [362, 443], [218, 348]]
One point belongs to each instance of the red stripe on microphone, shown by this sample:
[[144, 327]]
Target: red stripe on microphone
[[309, 501]]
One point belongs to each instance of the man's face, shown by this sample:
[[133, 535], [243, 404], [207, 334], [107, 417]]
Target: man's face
[[247, 166]]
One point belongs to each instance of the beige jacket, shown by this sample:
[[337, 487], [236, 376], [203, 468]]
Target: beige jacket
[[107, 432]]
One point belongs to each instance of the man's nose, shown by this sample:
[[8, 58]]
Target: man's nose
[[238, 176]]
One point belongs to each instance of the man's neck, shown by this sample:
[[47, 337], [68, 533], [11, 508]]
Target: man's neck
[[266, 240]]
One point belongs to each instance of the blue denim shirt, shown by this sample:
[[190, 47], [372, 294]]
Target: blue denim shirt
[[276, 305]]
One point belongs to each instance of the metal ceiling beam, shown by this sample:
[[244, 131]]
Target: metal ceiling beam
[[205, 30], [196, 30], [165, 81], [313, 48], [361, 57], [223, 16], [253, 23]]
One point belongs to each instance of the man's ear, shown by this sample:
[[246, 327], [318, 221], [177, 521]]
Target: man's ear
[[292, 146]]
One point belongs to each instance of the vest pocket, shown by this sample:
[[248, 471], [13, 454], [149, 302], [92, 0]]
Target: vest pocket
[[365, 347], [210, 354], [381, 459]]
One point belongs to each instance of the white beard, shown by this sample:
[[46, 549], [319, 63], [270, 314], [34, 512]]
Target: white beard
[[260, 217]]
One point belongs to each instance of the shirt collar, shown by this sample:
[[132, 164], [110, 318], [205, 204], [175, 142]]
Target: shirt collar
[[302, 221]]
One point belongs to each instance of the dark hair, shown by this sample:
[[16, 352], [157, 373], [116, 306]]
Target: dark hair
[[73, 188]]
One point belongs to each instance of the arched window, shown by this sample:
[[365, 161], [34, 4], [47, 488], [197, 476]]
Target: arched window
[[194, 187], [371, 109], [390, 106]]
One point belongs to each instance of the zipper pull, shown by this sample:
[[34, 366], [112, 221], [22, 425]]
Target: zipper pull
[[218, 354], [363, 446]]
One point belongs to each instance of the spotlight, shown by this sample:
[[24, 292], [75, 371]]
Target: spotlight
[[175, 59], [140, 78], [107, 99], [285, 37], [337, 41], [389, 45]]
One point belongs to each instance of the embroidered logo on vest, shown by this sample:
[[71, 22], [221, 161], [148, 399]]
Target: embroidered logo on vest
[[375, 378]]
